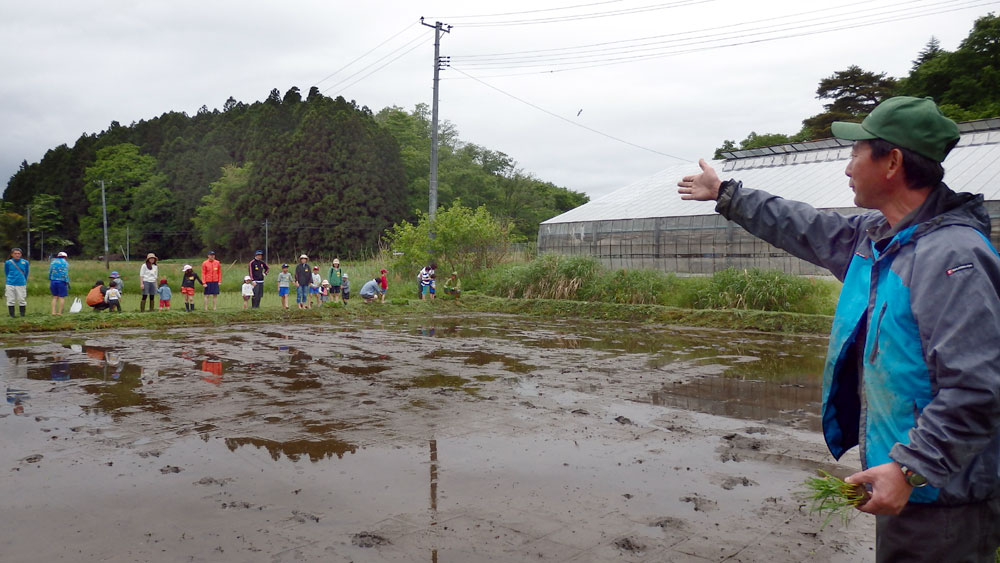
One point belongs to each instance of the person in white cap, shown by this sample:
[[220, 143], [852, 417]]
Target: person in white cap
[[16, 290], [188, 277], [303, 277], [247, 291], [59, 282], [149, 274]]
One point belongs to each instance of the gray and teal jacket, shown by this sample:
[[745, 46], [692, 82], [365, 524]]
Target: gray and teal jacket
[[913, 366]]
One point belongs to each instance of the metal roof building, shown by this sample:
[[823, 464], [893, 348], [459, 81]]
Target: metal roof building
[[647, 225]]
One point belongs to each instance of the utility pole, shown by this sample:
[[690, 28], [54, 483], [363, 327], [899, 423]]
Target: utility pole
[[28, 248], [439, 61], [104, 212], [266, 261]]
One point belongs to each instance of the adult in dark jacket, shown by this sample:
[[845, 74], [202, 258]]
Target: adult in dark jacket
[[303, 277], [258, 269], [913, 366]]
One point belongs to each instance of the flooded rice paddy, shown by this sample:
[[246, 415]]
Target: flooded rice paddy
[[478, 438]]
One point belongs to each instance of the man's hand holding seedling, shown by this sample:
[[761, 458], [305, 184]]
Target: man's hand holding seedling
[[889, 489]]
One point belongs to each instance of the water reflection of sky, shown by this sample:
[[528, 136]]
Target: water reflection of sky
[[744, 375]]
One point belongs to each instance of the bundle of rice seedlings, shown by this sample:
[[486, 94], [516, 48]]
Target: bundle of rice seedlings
[[832, 496]]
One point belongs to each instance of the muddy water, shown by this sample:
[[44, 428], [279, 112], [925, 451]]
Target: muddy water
[[480, 438]]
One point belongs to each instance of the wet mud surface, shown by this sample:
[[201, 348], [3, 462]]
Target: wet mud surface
[[480, 438]]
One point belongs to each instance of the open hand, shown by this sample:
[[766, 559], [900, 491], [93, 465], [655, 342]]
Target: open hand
[[700, 187]]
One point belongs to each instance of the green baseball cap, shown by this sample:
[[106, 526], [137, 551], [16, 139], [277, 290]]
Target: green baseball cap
[[912, 123]]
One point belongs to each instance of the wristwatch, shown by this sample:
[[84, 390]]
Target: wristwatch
[[913, 478]]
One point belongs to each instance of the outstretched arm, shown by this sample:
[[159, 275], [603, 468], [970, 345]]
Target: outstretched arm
[[700, 187]]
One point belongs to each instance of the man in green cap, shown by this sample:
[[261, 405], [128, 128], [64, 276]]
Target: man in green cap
[[913, 365]]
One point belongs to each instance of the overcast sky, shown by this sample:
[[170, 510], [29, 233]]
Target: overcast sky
[[675, 77]]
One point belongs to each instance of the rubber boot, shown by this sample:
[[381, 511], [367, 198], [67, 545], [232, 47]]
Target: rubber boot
[[150, 303], [22, 310], [142, 305], [10, 308]]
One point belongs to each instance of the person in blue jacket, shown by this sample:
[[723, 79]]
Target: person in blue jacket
[[912, 373], [59, 282], [15, 270]]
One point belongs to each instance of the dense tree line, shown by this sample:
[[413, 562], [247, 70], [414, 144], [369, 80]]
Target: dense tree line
[[965, 83], [324, 175]]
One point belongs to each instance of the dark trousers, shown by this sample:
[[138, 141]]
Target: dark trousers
[[258, 292], [968, 533]]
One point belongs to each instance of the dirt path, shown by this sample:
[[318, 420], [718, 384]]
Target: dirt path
[[459, 440]]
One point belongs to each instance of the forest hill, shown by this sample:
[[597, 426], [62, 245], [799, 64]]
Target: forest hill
[[317, 172]]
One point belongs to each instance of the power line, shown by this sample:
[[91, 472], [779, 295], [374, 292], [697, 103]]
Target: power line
[[668, 53], [529, 60], [524, 12], [594, 15], [557, 116], [413, 43], [390, 38], [680, 33]]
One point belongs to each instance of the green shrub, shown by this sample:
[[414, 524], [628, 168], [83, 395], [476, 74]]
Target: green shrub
[[547, 277], [583, 278], [637, 287], [465, 240], [766, 290]]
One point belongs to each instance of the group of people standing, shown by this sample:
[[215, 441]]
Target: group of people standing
[[311, 289]]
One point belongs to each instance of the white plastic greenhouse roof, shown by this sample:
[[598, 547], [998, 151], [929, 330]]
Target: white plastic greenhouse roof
[[814, 176]]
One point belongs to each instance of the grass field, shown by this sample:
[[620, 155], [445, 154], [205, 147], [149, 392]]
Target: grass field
[[401, 300]]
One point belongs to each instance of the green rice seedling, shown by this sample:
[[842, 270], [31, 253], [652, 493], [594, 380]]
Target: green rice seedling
[[832, 496]]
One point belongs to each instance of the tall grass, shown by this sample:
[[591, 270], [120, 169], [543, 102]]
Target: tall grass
[[584, 278]]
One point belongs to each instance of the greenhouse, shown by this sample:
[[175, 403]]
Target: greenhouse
[[647, 225]]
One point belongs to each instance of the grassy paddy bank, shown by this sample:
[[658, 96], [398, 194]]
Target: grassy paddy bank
[[230, 311]]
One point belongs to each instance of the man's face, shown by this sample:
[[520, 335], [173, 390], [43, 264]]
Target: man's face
[[16, 254], [303, 260], [867, 177]]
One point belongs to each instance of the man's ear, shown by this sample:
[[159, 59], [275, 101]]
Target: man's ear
[[893, 163]]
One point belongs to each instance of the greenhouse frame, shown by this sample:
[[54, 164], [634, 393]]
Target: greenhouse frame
[[646, 225]]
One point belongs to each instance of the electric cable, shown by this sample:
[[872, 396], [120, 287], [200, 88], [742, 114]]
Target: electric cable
[[623, 60], [390, 38], [557, 116], [530, 60]]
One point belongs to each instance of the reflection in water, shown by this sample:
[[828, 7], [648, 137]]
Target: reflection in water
[[16, 399], [213, 369], [788, 402], [434, 492], [730, 373], [294, 449], [481, 358], [117, 381]]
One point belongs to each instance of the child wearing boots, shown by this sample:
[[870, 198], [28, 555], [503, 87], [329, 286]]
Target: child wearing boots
[[188, 277]]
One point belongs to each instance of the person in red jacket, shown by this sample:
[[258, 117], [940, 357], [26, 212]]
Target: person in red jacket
[[211, 275]]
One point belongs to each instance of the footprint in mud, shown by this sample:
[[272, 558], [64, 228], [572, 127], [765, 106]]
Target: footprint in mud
[[735, 447], [369, 539], [239, 505], [170, 469], [302, 517], [33, 458], [213, 481], [669, 523], [630, 544], [701, 504], [730, 483]]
